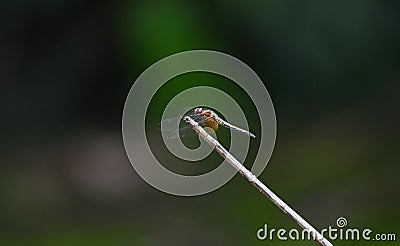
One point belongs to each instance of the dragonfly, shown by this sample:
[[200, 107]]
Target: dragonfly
[[205, 117]]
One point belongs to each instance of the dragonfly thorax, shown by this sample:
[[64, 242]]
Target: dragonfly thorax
[[212, 123], [209, 117]]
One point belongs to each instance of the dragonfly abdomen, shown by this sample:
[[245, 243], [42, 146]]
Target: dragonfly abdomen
[[228, 125]]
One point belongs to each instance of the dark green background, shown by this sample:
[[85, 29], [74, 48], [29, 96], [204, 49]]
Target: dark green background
[[332, 70]]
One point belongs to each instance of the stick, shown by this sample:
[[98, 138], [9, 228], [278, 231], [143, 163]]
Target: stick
[[256, 182]]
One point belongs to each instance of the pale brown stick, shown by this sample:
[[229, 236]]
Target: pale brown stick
[[256, 182]]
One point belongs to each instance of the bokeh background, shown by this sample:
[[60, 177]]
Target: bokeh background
[[331, 67]]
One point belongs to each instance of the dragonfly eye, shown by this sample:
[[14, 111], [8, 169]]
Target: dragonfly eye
[[198, 110]]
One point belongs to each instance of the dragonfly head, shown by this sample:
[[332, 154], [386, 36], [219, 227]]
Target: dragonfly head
[[198, 111]]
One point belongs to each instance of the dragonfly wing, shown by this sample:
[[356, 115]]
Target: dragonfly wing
[[170, 124], [181, 133], [172, 129], [171, 135]]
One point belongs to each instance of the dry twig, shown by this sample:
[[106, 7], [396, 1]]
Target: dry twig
[[256, 182]]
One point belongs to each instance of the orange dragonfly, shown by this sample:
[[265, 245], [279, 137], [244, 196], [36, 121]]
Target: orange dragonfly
[[205, 117]]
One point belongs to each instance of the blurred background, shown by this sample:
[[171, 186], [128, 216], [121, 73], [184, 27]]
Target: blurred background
[[66, 67]]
